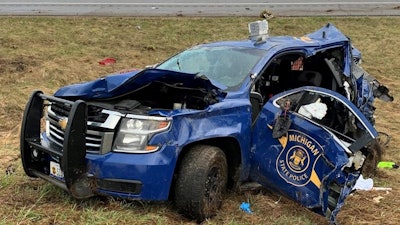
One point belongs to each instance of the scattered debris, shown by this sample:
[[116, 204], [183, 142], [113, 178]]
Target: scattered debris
[[364, 184], [377, 199], [108, 61], [276, 202], [382, 189], [245, 207], [266, 14], [368, 185], [391, 165]]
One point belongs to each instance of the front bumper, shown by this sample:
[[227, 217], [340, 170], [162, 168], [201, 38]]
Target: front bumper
[[140, 176], [84, 174], [72, 158]]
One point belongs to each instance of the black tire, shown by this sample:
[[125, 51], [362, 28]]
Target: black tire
[[201, 182]]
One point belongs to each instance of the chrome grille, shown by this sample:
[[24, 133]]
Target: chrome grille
[[97, 141]]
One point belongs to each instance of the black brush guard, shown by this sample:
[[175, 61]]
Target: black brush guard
[[71, 158]]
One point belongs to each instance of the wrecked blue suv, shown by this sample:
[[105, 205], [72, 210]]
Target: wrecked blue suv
[[292, 114]]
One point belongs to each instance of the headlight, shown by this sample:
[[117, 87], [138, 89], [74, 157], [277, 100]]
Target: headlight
[[134, 134]]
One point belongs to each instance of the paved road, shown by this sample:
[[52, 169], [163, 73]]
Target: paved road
[[203, 8]]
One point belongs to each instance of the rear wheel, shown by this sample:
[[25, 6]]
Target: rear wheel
[[201, 182]]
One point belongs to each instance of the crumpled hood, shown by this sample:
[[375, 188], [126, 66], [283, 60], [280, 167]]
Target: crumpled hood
[[118, 84]]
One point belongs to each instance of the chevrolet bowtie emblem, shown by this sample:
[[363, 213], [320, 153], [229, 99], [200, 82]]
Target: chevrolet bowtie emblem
[[63, 123]]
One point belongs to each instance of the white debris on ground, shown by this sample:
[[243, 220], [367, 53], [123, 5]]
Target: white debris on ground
[[364, 184], [368, 185]]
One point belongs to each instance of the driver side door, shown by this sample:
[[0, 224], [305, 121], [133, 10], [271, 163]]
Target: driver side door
[[309, 145]]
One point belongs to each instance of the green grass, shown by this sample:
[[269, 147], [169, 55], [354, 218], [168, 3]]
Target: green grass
[[48, 52]]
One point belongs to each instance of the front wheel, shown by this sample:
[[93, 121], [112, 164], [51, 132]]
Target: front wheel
[[201, 182]]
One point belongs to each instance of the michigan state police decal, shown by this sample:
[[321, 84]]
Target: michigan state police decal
[[296, 162]]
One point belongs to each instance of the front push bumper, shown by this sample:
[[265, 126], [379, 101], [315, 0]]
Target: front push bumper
[[71, 158]]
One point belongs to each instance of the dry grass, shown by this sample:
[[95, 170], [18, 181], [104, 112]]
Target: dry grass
[[46, 53]]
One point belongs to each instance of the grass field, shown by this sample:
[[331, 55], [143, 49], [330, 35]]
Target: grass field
[[48, 52]]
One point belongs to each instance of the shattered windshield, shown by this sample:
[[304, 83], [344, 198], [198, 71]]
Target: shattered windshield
[[226, 65]]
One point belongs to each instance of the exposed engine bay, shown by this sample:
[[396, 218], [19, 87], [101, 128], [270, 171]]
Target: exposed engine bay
[[147, 90], [159, 95]]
